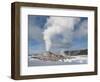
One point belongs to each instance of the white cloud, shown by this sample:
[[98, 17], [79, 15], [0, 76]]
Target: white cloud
[[59, 26]]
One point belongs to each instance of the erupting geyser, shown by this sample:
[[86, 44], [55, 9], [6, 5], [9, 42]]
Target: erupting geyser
[[59, 26]]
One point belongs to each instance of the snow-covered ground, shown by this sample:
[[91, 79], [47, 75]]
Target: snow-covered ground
[[80, 59]]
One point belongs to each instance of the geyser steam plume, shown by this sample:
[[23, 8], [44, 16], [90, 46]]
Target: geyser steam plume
[[59, 26]]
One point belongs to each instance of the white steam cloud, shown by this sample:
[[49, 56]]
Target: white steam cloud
[[63, 26]]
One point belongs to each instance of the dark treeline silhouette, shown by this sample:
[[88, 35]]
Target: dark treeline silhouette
[[77, 52]]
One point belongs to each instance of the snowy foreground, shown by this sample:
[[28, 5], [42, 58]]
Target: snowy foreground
[[73, 60]]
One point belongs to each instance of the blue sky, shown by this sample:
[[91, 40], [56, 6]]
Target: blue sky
[[38, 24]]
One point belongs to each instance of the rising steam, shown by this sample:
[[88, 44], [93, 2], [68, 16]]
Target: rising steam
[[63, 26]]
